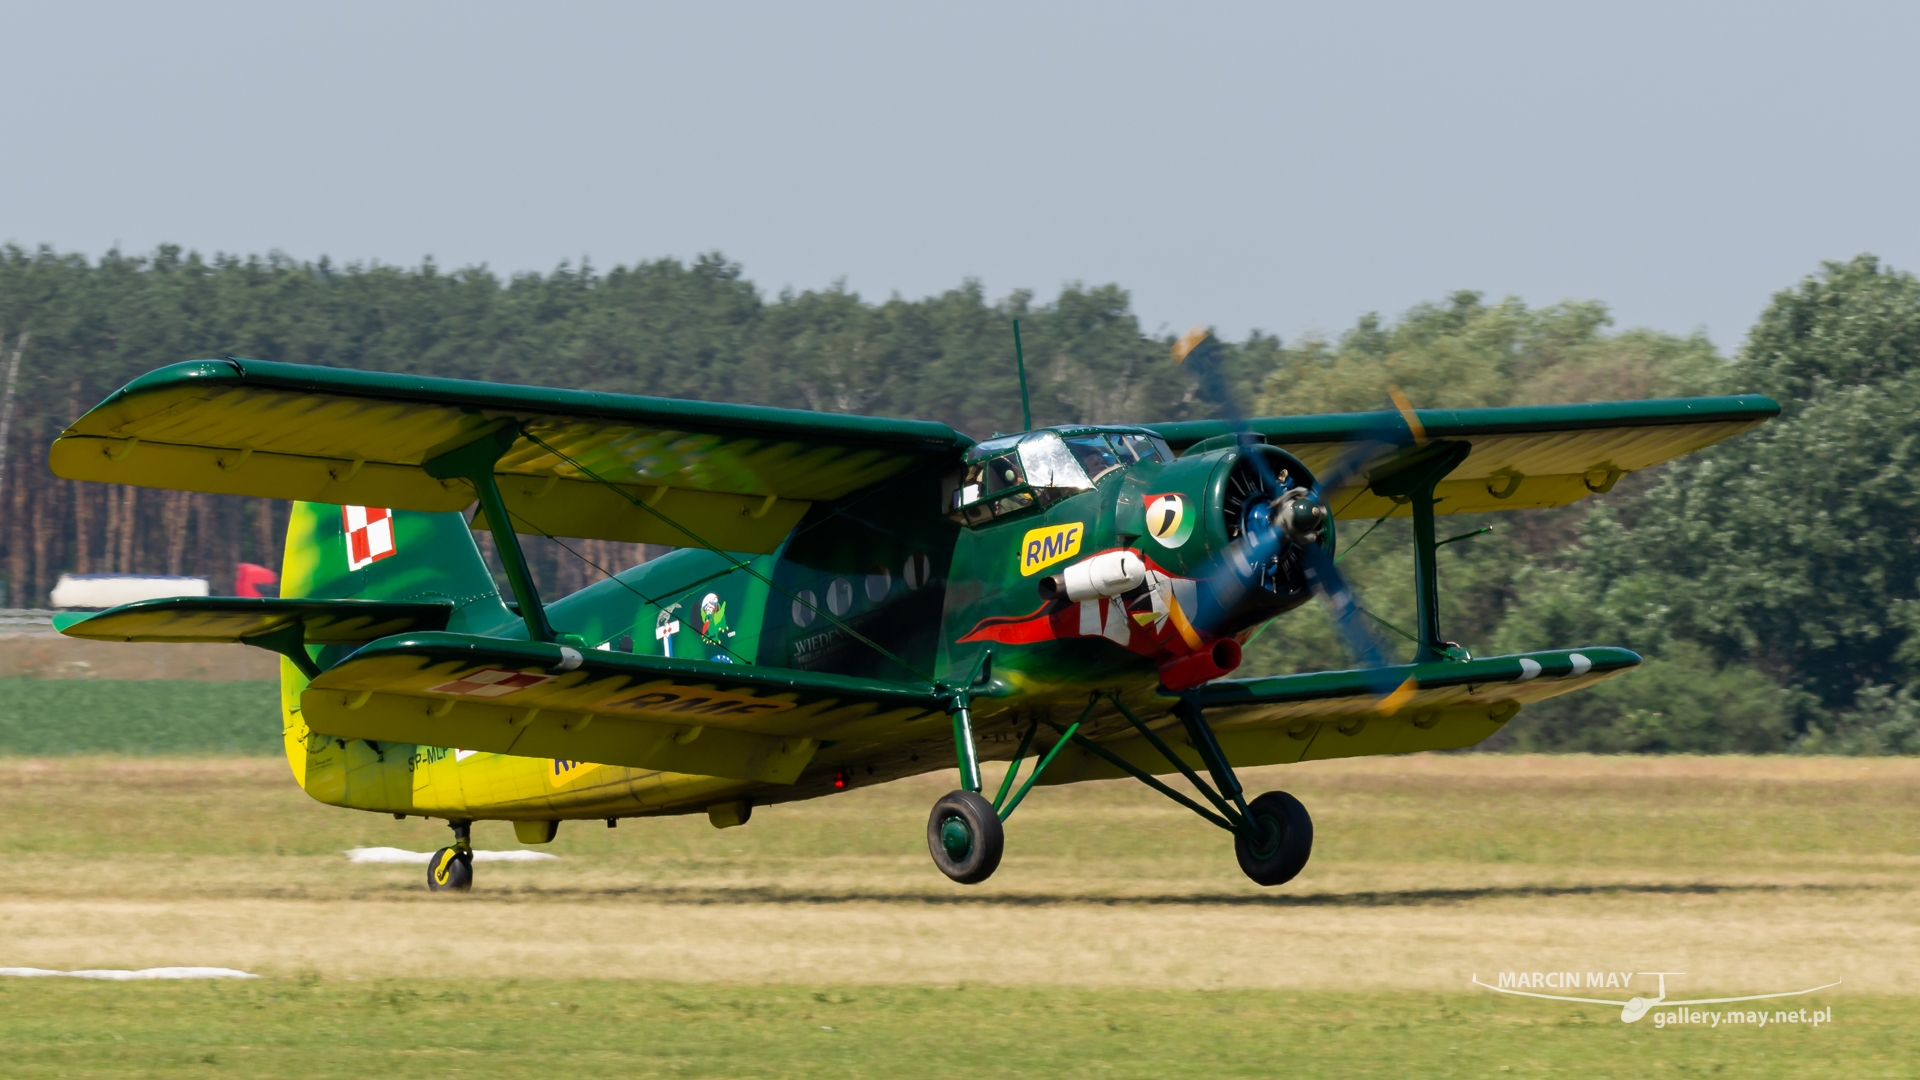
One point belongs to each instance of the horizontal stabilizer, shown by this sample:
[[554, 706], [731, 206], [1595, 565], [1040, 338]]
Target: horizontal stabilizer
[[531, 699], [240, 619]]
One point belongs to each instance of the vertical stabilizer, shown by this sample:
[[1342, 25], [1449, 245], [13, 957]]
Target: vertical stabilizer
[[370, 553]]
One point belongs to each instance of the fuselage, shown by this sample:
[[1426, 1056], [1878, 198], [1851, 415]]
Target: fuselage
[[915, 580]]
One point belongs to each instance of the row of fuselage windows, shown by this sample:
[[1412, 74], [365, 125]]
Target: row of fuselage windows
[[841, 595]]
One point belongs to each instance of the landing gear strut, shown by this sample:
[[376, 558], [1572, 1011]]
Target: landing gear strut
[[964, 833], [451, 868], [1272, 835]]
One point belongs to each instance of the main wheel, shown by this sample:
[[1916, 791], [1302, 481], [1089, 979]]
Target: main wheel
[[1281, 840], [450, 870], [965, 838]]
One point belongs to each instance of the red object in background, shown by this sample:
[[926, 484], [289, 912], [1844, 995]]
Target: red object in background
[[247, 579]]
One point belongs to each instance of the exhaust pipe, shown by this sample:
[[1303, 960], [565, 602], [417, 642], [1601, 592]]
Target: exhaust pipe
[[1110, 574], [1189, 671]]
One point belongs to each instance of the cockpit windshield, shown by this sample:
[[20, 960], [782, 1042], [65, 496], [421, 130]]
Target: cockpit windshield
[[1014, 472], [1007, 475]]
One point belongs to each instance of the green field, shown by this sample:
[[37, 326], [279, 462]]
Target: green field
[[138, 716], [1117, 940], [541, 1028]]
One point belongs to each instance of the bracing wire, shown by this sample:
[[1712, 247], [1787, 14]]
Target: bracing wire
[[737, 564], [615, 578]]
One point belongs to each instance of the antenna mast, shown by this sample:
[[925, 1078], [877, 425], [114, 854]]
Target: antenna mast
[[1020, 359]]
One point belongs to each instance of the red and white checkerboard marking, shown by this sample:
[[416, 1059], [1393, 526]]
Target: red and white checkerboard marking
[[490, 683], [369, 534]]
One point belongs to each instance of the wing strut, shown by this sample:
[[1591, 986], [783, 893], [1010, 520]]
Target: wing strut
[[1416, 483], [474, 464], [1234, 816]]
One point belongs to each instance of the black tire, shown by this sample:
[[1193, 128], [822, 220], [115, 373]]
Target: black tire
[[965, 838], [450, 870], [1285, 839]]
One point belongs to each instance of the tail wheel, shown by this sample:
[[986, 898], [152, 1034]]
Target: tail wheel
[[1274, 849], [965, 837], [450, 870]]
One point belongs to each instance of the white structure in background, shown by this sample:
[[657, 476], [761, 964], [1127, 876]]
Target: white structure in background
[[112, 590]]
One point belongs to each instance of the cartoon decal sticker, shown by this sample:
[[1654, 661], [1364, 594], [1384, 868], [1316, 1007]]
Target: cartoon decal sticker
[[369, 531], [664, 627], [713, 627], [1168, 521], [1043, 547], [697, 701]]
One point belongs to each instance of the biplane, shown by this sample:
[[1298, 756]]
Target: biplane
[[850, 600]]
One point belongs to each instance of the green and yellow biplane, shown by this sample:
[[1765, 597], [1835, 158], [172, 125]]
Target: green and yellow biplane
[[852, 599]]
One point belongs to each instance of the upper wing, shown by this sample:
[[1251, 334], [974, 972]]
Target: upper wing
[[235, 618], [1330, 714], [739, 476], [1524, 457], [649, 712]]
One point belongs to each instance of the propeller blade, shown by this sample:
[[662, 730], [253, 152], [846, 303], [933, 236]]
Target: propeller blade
[[1344, 608], [1199, 350], [1237, 569]]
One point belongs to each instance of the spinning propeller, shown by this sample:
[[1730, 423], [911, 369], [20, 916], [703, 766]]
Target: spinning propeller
[[1283, 516]]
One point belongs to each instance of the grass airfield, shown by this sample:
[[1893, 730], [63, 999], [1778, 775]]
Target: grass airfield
[[1117, 939]]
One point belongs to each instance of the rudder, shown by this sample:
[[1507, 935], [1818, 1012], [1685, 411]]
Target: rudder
[[369, 553]]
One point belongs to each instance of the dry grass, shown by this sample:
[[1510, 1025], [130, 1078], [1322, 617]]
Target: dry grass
[[1747, 873]]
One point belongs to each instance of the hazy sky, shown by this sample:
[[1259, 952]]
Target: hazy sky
[[1279, 166]]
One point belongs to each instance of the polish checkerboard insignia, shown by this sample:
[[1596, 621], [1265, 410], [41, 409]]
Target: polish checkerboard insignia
[[490, 683], [369, 532]]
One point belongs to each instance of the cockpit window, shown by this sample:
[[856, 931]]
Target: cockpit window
[[1138, 448], [1093, 453], [1007, 475], [1051, 465]]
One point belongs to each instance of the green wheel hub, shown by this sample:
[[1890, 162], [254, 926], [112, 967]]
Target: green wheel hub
[[1263, 835], [956, 837]]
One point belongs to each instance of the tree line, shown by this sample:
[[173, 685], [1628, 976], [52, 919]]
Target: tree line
[[662, 328], [1773, 581]]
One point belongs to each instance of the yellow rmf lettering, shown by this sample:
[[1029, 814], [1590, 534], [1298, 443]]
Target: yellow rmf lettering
[[1045, 546]]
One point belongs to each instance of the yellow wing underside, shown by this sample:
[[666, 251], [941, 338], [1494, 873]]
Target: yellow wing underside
[[1529, 471]]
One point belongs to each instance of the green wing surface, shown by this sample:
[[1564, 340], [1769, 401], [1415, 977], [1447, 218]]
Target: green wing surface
[[1334, 714], [739, 476], [649, 712], [1523, 458], [238, 619]]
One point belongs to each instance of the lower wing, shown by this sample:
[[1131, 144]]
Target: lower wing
[[1331, 714], [649, 712]]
